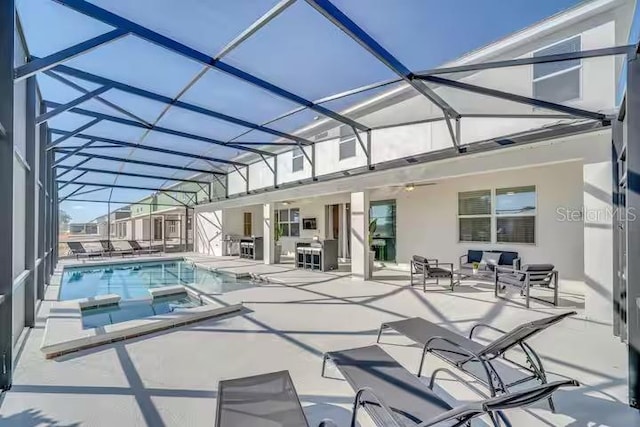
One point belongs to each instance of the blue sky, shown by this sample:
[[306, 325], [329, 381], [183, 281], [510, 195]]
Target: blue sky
[[299, 51]]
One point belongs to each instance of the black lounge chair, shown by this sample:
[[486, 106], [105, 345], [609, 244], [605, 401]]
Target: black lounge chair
[[486, 363], [394, 397], [110, 249], [140, 250], [428, 268], [531, 275], [77, 249], [261, 400]]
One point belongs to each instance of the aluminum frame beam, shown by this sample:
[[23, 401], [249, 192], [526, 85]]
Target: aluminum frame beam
[[145, 163], [73, 133], [71, 168], [61, 108], [71, 181], [125, 203], [128, 187], [54, 223], [43, 64], [137, 175], [75, 150], [359, 35], [100, 99], [584, 54], [144, 147], [159, 129], [515, 98], [124, 24]]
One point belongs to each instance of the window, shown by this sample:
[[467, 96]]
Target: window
[[347, 143], [289, 220], [297, 161], [474, 216], [558, 81], [511, 212], [171, 227], [247, 224], [516, 215]]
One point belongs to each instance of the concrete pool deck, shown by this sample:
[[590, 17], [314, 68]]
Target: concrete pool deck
[[170, 378]]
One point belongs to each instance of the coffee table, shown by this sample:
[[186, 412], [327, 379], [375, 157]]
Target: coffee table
[[469, 273]]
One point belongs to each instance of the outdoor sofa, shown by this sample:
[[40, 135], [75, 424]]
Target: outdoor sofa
[[431, 268], [488, 260], [530, 275], [488, 363], [394, 397]]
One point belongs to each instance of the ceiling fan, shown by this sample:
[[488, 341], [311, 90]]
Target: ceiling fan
[[412, 186]]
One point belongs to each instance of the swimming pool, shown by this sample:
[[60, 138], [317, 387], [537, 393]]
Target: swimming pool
[[133, 280]]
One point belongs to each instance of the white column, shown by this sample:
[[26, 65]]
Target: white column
[[209, 232], [344, 230], [598, 241], [164, 232], [360, 235], [269, 216]]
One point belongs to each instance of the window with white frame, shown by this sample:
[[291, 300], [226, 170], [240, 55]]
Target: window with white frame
[[297, 160], [289, 221], [515, 210], [558, 81], [509, 214], [474, 216], [347, 143], [171, 227]]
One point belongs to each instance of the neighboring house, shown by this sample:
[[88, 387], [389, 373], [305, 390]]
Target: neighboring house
[[428, 199]]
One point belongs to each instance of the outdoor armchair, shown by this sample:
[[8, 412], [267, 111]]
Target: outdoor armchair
[[531, 275], [431, 268]]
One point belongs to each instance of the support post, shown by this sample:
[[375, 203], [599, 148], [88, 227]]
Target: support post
[[30, 204], [164, 234], [186, 229], [369, 166], [360, 235], [313, 162], [7, 36], [633, 227], [269, 233], [42, 208]]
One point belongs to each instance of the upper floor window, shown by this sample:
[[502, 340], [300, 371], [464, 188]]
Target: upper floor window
[[297, 160], [558, 81], [347, 143]]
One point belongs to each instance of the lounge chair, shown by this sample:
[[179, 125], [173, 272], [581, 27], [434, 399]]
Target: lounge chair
[[110, 249], [427, 268], [261, 400], [394, 397], [486, 363], [530, 275], [77, 249], [140, 250], [122, 247]]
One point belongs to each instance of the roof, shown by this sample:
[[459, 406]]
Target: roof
[[180, 88]]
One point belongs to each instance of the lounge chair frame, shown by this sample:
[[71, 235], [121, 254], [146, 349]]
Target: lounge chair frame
[[493, 352], [460, 415]]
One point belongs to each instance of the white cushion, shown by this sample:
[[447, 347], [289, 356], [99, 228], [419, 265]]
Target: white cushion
[[490, 258]]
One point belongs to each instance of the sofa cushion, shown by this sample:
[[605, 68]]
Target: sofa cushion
[[507, 258], [490, 259], [474, 256]]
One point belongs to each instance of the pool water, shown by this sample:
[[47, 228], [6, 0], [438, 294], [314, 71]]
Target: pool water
[[133, 280], [135, 309]]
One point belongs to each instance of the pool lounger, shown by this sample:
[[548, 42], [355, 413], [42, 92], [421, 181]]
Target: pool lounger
[[79, 251], [394, 397], [140, 250], [261, 400], [486, 363]]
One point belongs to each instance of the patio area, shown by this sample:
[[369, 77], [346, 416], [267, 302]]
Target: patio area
[[170, 378]]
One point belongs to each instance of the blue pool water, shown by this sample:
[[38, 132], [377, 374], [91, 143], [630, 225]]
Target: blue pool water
[[135, 309], [132, 280]]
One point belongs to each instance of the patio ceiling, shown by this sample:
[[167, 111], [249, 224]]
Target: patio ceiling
[[139, 96]]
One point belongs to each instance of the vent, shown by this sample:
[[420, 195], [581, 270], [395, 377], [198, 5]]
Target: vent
[[321, 135]]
